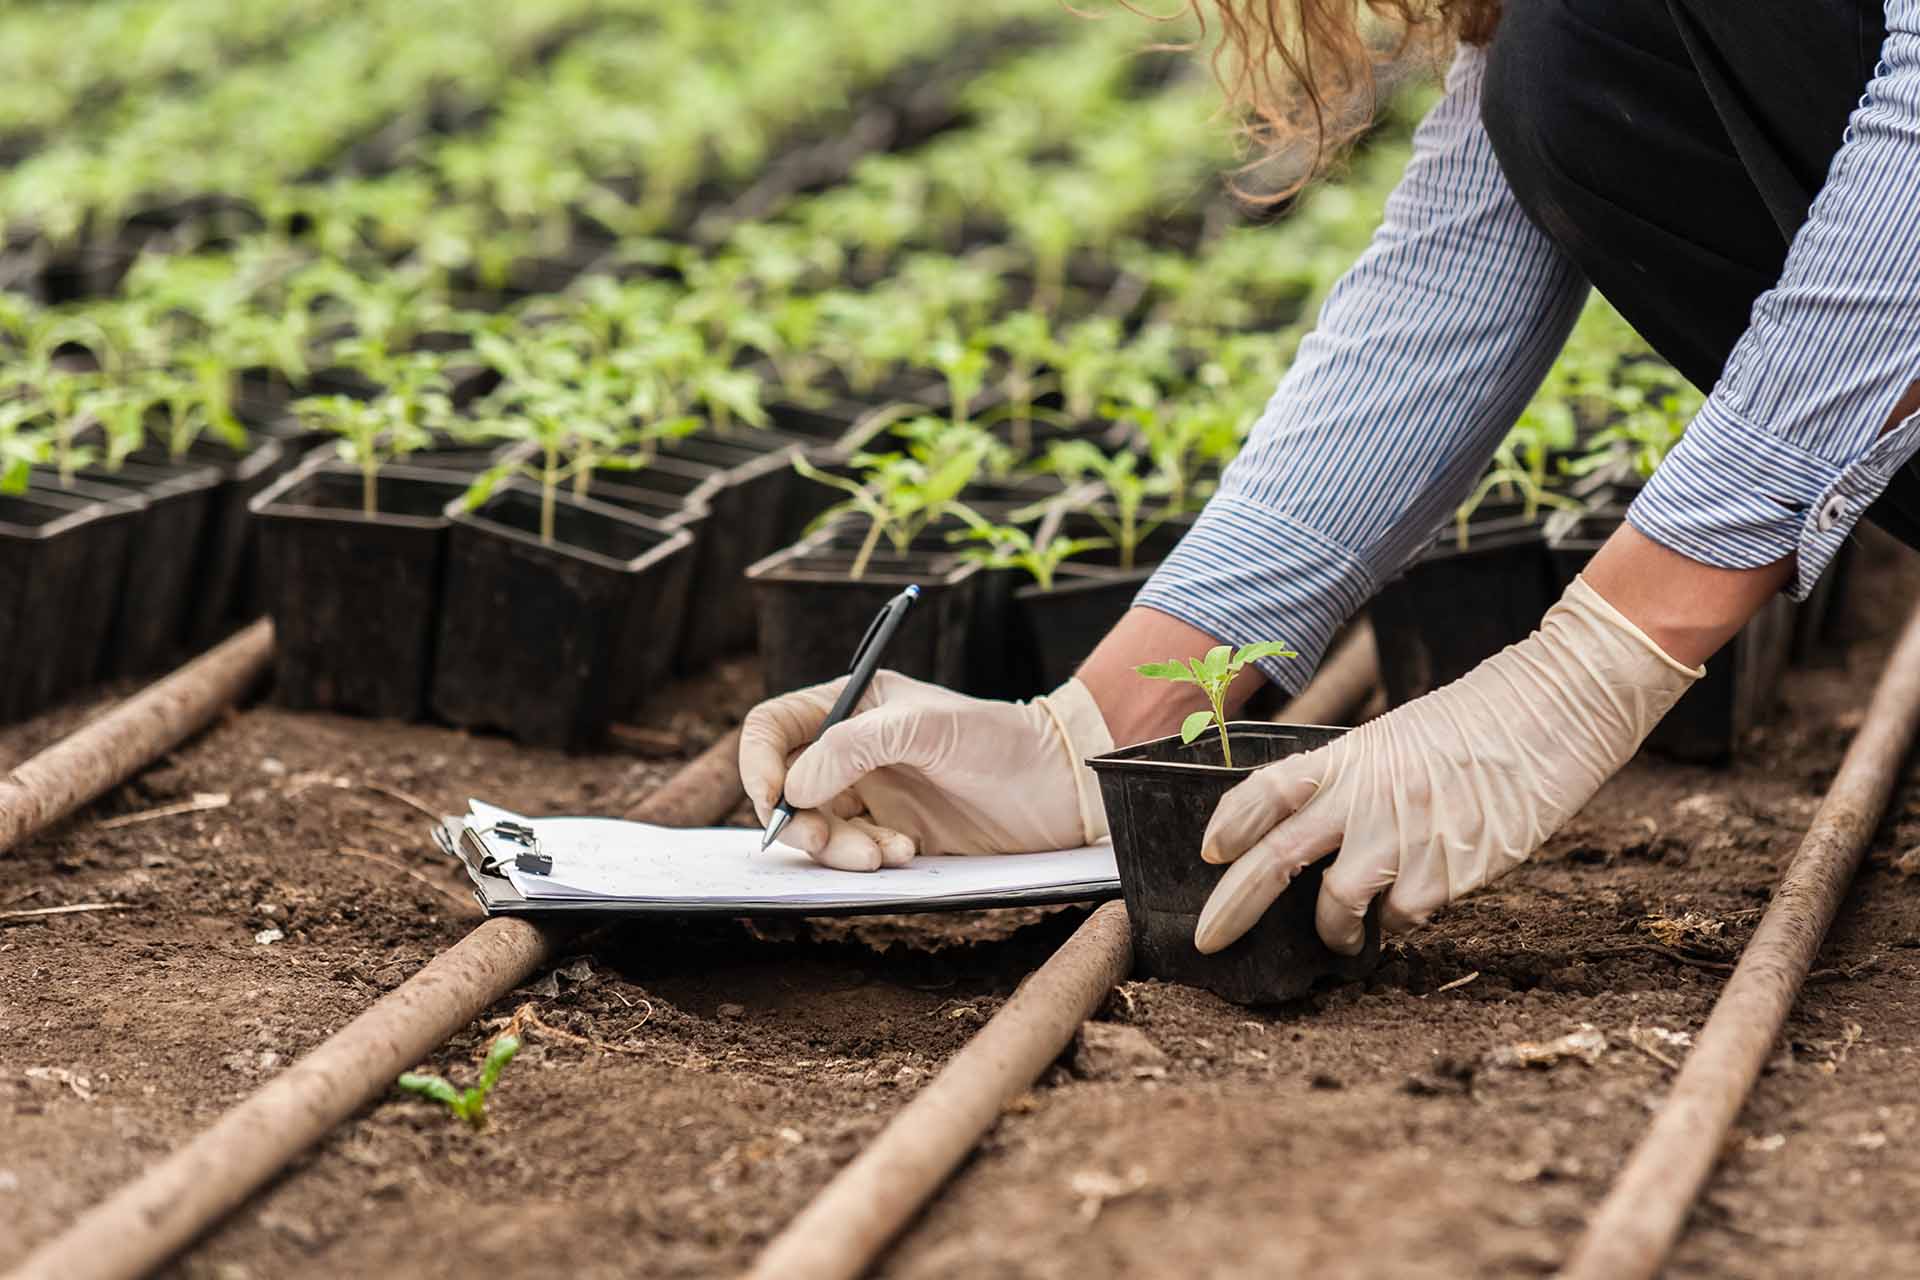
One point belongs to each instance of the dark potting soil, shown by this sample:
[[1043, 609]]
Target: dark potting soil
[[1159, 796], [355, 599], [548, 642]]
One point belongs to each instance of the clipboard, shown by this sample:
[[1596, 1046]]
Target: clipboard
[[1011, 880]]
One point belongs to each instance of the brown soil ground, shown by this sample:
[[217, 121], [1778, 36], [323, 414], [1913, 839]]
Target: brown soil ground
[[1363, 1132]]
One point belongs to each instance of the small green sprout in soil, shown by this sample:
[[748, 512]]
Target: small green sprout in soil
[[1214, 673], [469, 1104]]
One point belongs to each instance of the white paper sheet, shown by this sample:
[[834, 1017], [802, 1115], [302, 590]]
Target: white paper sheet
[[596, 858]]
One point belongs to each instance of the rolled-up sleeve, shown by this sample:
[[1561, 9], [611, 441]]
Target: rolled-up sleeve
[[1791, 446]]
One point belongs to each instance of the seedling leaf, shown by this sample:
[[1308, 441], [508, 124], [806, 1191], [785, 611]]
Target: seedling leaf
[[1262, 649], [1195, 725], [433, 1087]]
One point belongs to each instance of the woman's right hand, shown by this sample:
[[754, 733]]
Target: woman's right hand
[[921, 769]]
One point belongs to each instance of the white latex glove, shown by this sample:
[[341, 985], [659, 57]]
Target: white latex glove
[[919, 768], [1437, 797]]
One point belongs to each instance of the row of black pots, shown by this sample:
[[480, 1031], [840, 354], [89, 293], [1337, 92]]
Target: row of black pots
[[990, 632], [1459, 604], [469, 614], [146, 562]]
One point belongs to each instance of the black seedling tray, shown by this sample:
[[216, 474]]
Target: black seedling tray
[[812, 614], [56, 550], [1159, 797], [546, 642], [354, 599], [753, 515], [1456, 606], [156, 598]]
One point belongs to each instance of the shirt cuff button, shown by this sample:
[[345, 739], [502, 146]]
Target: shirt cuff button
[[1832, 512]]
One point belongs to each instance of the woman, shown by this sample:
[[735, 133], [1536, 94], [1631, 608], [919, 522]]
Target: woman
[[1743, 183]]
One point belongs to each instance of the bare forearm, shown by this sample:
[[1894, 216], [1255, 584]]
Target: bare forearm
[[1137, 709], [1687, 608]]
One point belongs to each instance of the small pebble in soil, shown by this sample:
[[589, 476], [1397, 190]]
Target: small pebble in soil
[[732, 1011], [1322, 1080], [267, 937]]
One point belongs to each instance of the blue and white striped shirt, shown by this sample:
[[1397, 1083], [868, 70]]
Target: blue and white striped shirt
[[1433, 342]]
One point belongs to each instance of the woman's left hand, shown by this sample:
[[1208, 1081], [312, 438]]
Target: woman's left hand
[[1437, 797]]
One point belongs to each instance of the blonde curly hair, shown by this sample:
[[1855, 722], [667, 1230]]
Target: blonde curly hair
[[1299, 75]]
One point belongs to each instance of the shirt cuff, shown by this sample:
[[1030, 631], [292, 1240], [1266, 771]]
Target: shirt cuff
[[1245, 573], [1736, 496]]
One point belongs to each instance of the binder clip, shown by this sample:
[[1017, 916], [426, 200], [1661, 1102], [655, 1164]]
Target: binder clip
[[530, 859]]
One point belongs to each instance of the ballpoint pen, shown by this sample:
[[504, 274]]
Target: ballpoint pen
[[866, 661]]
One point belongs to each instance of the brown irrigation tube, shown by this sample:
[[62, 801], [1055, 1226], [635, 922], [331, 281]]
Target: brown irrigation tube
[[839, 1234], [1636, 1226], [108, 750], [144, 1223]]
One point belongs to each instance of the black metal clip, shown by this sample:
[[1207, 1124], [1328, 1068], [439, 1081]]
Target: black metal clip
[[529, 859], [518, 832]]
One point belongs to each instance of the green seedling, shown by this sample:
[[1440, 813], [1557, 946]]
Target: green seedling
[[964, 366], [370, 437], [469, 1104], [1215, 674], [901, 494], [1011, 547], [1124, 488], [22, 447]]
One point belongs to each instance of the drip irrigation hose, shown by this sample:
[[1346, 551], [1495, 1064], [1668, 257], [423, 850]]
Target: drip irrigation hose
[[106, 751], [840, 1233], [143, 1224], [1636, 1226]]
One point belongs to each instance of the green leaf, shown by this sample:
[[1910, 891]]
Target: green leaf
[[1174, 670], [430, 1087], [1195, 725], [499, 1054], [1262, 649], [1215, 663]]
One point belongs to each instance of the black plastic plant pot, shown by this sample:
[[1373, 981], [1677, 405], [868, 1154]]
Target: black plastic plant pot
[[1736, 694], [1159, 797], [1058, 627], [222, 591], [61, 557], [546, 642], [1456, 606], [354, 598], [156, 597], [812, 614], [754, 514]]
